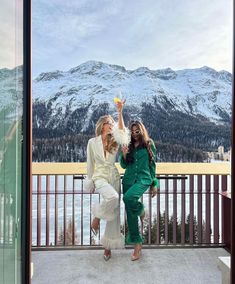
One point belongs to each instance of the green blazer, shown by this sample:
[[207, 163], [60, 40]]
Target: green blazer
[[141, 170]]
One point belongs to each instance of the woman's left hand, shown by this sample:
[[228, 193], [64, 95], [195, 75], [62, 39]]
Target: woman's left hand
[[153, 191]]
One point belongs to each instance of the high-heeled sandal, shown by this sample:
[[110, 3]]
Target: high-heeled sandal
[[136, 257], [107, 257], [95, 230]]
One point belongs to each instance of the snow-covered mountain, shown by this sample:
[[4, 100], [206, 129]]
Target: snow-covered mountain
[[202, 91], [186, 112]]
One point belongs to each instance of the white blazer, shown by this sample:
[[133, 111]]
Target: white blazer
[[101, 169]]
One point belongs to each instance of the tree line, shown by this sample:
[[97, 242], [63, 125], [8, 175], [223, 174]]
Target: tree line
[[179, 136]]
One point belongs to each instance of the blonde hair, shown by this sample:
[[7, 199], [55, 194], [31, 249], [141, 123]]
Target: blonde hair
[[111, 143]]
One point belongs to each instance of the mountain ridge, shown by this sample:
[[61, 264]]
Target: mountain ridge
[[202, 91], [187, 112]]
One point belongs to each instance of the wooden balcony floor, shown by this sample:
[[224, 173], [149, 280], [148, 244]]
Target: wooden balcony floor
[[156, 266]]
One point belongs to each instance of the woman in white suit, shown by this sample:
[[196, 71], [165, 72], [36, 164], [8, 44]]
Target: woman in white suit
[[101, 170]]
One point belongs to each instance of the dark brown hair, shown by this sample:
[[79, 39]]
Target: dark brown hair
[[145, 142]]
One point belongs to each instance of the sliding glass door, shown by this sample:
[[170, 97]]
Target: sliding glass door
[[11, 111]]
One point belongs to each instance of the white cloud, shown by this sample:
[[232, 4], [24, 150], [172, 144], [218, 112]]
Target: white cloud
[[157, 34], [11, 34]]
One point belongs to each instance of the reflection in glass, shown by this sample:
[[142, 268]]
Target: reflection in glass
[[11, 90]]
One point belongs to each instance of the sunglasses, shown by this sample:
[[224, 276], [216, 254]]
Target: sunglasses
[[108, 122], [135, 132]]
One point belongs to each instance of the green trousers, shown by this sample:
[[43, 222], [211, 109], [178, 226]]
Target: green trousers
[[134, 208]]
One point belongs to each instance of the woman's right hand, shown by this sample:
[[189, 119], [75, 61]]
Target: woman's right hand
[[124, 151], [120, 105]]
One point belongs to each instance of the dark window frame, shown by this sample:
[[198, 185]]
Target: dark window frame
[[26, 148], [27, 153]]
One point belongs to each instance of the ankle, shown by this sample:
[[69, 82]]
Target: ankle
[[96, 222], [138, 247]]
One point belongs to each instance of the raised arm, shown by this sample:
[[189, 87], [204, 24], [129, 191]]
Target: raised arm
[[119, 106], [120, 132]]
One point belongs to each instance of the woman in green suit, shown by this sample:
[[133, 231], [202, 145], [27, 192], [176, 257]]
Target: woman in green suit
[[138, 160]]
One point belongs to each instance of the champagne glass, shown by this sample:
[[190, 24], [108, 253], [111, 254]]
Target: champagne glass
[[119, 98]]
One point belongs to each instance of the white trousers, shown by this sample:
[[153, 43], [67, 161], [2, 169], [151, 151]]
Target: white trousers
[[109, 210]]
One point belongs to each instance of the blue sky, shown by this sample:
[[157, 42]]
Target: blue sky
[[152, 33]]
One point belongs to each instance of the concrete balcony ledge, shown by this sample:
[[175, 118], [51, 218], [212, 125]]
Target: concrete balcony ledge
[[157, 266], [224, 266]]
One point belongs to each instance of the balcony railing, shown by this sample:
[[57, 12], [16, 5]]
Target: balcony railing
[[191, 208]]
